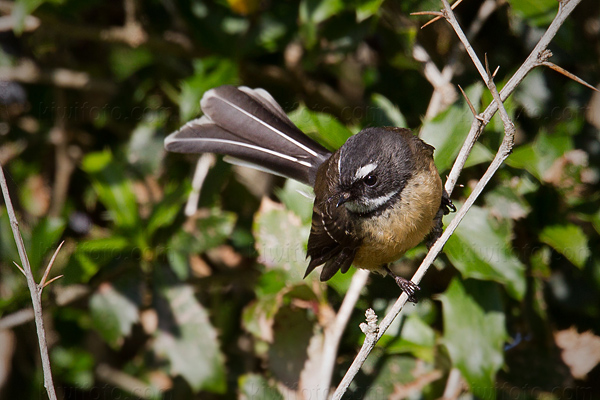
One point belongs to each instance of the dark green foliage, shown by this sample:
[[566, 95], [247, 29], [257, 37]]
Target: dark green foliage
[[213, 305]]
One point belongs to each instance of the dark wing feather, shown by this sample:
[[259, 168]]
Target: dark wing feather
[[332, 241], [249, 124]]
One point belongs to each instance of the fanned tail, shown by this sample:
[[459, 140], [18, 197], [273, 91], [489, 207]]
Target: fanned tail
[[249, 125]]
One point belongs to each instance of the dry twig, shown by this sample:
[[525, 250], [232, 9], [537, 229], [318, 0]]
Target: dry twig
[[34, 289]]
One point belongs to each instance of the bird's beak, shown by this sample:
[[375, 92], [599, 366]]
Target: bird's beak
[[344, 197]]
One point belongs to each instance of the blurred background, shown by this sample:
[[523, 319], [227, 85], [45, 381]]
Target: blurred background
[[157, 304]]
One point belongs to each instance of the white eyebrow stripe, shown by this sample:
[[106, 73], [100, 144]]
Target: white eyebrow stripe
[[369, 205], [364, 171]]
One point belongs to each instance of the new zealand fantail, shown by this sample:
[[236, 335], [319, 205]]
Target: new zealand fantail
[[376, 197]]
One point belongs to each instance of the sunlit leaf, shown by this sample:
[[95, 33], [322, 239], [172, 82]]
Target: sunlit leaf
[[113, 188], [209, 72], [366, 9], [298, 198], [385, 113], [187, 340], [281, 240], [569, 240], [538, 157], [474, 332], [322, 127], [113, 314]]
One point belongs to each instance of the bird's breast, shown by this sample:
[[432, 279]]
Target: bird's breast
[[387, 236]]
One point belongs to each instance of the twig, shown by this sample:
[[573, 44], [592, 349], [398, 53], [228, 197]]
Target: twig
[[17, 318], [444, 93], [453, 385], [205, 161], [333, 332], [535, 59], [28, 72], [34, 289]]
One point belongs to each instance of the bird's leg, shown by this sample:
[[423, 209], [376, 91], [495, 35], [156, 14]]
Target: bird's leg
[[407, 286], [446, 207]]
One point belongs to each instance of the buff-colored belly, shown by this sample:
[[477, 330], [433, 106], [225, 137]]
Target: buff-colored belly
[[402, 227]]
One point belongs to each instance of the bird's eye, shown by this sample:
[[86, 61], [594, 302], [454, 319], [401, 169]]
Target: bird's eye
[[370, 180]]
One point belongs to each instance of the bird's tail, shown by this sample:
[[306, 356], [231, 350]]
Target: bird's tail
[[249, 125]]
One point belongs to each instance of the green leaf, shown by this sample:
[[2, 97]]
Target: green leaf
[[209, 231], [385, 113], [146, 146], [113, 314], [125, 61], [254, 386], [388, 372], [416, 337], [366, 9], [481, 248], [322, 127], [448, 130], [569, 240], [288, 353], [44, 241], [209, 72], [537, 157], [73, 365], [281, 240], [165, 212], [474, 332], [113, 188], [506, 203], [298, 198], [187, 339], [536, 12]]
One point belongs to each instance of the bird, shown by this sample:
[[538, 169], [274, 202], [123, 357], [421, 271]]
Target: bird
[[376, 197]]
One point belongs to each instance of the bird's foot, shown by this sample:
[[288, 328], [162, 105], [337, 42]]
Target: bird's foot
[[408, 287]]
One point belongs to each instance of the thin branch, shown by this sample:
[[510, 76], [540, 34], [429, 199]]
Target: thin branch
[[438, 14], [36, 294], [17, 318], [205, 161], [535, 59], [28, 72], [333, 332], [453, 385], [444, 93], [569, 75], [49, 267]]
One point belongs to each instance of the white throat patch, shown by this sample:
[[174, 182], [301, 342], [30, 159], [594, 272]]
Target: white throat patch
[[368, 205]]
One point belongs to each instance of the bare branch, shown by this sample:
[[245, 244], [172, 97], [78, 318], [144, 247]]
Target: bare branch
[[333, 332], [536, 58], [36, 297]]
